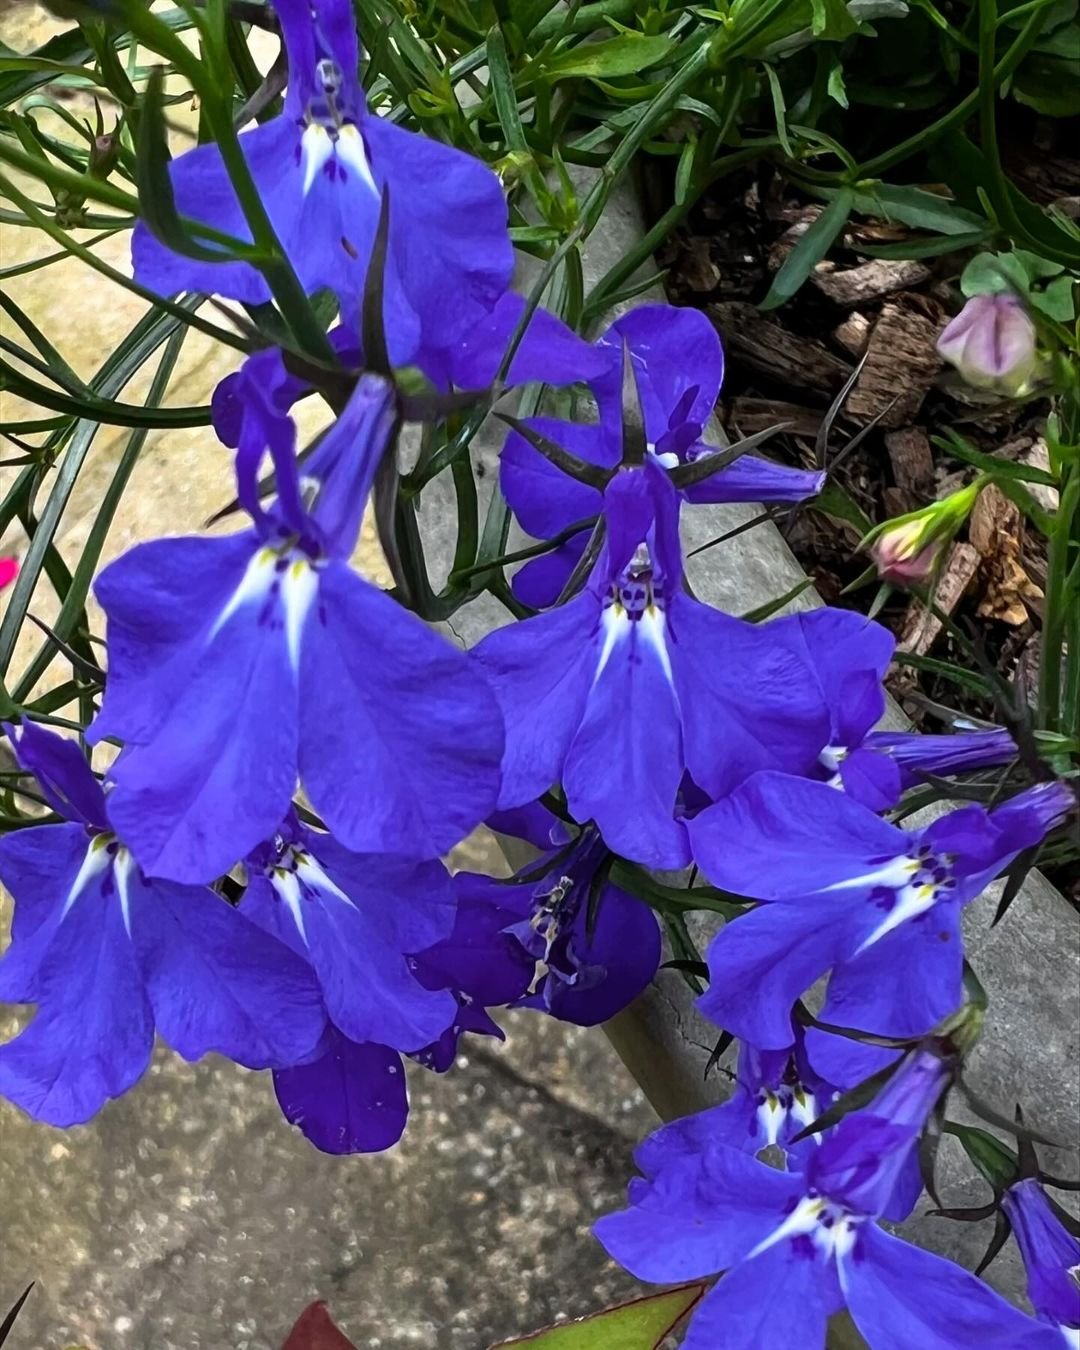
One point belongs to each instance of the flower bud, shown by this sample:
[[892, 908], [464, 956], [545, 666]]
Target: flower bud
[[908, 549], [991, 342], [104, 152]]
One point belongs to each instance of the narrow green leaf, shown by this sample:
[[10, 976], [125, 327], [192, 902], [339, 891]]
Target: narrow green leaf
[[918, 208], [810, 250], [934, 247], [628, 54], [771, 607], [779, 109], [642, 1324], [502, 86]]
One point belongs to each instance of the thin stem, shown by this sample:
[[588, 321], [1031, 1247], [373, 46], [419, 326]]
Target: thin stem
[[82, 251], [874, 168]]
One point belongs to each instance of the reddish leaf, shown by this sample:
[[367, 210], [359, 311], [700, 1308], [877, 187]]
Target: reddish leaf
[[315, 1330]]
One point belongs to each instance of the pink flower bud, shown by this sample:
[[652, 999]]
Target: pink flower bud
[[9, 570], [991, 342], [900, 559], [908, 549]]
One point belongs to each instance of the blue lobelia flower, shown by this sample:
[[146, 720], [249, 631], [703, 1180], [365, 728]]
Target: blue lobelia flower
[[321, 169], [357, 919], [678, 364], [584, 946], [798, 1247], [236, 663], [1051, 1257], [848, 659], [250, 406], [849, 892], [777, 1095], [631, 684], [108, 955], [916, 755]]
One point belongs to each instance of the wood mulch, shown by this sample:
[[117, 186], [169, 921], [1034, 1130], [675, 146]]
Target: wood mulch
[[788, 366]]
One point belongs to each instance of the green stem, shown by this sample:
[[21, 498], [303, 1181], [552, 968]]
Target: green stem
[[1057, 618], [72, 246], [1025, 40]]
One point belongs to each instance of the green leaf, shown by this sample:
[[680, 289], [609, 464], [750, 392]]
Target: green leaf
[[627, 54], [502, 85], [831, 20], [835, 501], [933, 247], [996, 1162], [640, 1325], [810, 250], [1058, 301], [779, 110], [920, 209]]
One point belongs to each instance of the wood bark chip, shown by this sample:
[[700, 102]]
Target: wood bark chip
[[921, 626], [901, 363], [996, 532], [912, 464], [869, 281], [751, 415], [853, 334], [766, 347]]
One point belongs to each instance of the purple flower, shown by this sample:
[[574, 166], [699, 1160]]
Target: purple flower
[[798, 1247], [631, 684], [878, 906], [777, 1095], [916, 755], [238, 663], [848, 657], [1051, 1256], [679, 365], [585, 957], [110, 955], [358, 919], [992, 343], [321, 169]]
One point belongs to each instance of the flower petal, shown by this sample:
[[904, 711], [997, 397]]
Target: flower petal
[[625, 762], [218, 983], [700, 1215], [400, 736], [540, 670], [795, 838], [901, 1296], [93, 1034], [353, 1099], [778, 1291], [544, 499], [747, 701], [760, 963]]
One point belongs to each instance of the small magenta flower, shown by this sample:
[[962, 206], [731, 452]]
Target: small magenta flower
[[908, 550], [1051, 1257], [991, 342], [9, 570]]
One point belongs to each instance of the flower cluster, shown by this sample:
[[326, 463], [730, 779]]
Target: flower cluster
[[288, 753]]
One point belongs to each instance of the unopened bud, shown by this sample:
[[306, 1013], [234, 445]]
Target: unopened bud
[[908, 550], [991, 342], [104, 152]]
